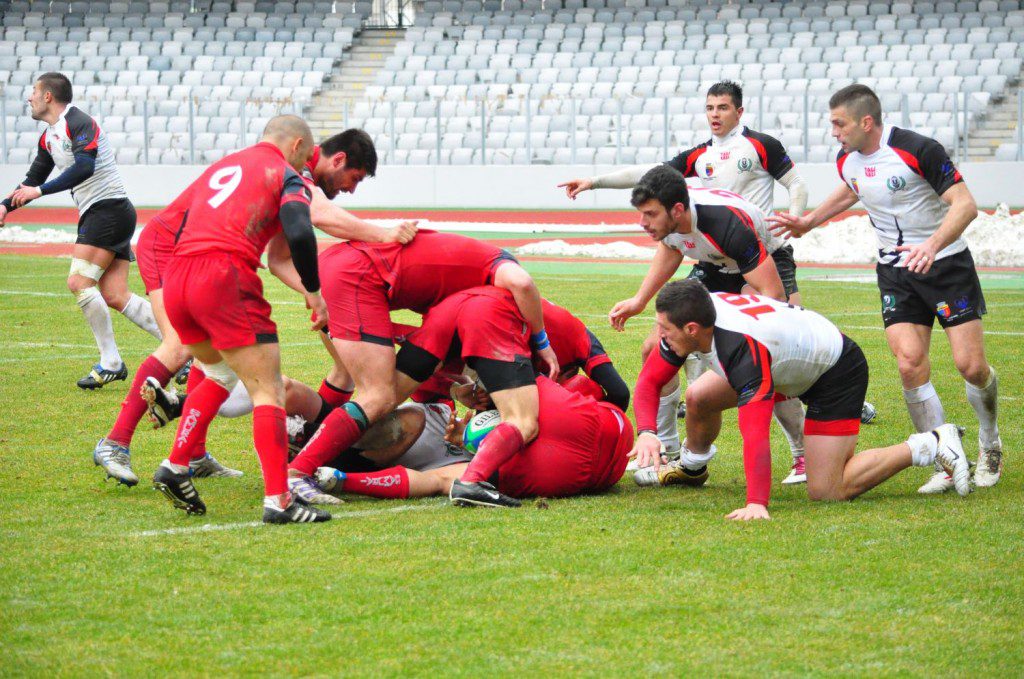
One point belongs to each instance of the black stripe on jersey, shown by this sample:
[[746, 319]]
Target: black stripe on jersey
[[734, 237], [747, 365], [926, 157], [685, 161], [773, 155], [671, 357], [83, 131]]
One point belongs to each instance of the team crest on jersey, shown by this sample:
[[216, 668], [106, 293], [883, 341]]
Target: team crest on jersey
[[725, 155], [888, 303], [745, 164], [869, 172], [709, 170], [65, 144], [896, 183], [942, 309], [853, 182]]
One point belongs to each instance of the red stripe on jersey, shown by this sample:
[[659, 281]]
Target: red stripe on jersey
[[712, 241], [298, 196], [313, 160], [831, 427], [760, 355], [840, 161], [749, 223], [95, 143], [42, 142], [691, 161], [762, 152], [909, 159]]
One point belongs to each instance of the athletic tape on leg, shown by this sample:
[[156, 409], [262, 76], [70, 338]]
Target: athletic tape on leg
[[86, 269], [222, 374]]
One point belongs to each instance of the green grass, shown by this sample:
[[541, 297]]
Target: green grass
[[638, 581]]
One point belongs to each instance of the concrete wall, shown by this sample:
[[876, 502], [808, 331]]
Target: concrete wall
[[509, 187]]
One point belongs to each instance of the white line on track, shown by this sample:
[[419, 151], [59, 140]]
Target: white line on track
[[30, 293], [212, 527]]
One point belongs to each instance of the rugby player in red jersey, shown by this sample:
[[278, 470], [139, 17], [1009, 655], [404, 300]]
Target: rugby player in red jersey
[[760, 349], [214, 300], [363, 282]]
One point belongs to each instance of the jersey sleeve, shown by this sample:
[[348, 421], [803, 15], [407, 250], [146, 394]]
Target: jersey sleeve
[[594, 352], [685, 161], [747, 365], [83, 132], [774, 158], [841, 159], [927, 158], [657, 371], [295, 189], [732, 231]]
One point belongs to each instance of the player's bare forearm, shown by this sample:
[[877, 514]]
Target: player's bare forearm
[[279, 261], [665, 263], [340, 223], [516, 280], [765, 280], [962, 211]]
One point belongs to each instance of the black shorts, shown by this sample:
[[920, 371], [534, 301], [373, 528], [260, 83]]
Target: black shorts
[[837, 398], [950, 291], [717, 281], [109, 224]]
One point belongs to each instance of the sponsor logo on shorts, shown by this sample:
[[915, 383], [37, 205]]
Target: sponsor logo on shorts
[[745, 164], [869, 171], [896, 183], [888, 303], [962, 303], [942, 309]]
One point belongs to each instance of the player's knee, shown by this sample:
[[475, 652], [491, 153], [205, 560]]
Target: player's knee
[[77, 284], [696, 402], [912, 365], [973, 369], [821, 492], [115, 299], [377, 403], [527, 426], [647, 347]]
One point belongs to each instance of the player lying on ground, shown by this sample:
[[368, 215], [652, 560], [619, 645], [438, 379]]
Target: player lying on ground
[[363, 282], [74, 144], [919, 207], [581, 447], [759, 348], [339, 164], [214, 300]]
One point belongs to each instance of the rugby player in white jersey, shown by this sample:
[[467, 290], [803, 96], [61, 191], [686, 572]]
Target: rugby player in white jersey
[[760, 349], [74, 144], [919, 207], [748, 163]]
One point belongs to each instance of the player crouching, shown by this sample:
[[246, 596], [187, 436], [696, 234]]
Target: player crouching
[[758, 348]]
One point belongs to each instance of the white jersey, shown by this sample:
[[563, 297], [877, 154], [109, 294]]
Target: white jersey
[[76, 132], [801, 345], [899, 185], [430, 450], [726, 231], [743, 161]]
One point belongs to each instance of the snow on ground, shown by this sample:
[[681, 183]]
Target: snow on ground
[[996, 239]]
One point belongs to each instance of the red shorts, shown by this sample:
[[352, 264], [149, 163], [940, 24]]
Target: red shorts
[[580, 449], [488, 323], [356, 296], [153, 253], [218, 298]]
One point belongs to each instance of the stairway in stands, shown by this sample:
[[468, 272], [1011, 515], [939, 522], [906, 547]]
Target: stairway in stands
[[326, 115], [999, 126]]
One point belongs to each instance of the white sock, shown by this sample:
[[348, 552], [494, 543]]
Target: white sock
[[925, 407], [91, 302], [923, 448], [176, 468], [790, 415], [984, 400], [277, 501], [237, 404], [140, 312], [694, 367], [668, 430]]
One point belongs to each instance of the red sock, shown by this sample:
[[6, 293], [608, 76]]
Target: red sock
[[337, 433], [332, 395], [133, 407], [271, 439], [391, 483], [200, 407], [195, 378], [497, 449]]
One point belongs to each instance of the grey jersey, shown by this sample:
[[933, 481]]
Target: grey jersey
[[430, 450]]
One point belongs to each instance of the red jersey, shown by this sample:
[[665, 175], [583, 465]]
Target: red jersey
[[172, 217], [236, 204], [574, 345], [432, 267]]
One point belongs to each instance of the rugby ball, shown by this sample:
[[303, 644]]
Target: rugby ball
[[478, 428]]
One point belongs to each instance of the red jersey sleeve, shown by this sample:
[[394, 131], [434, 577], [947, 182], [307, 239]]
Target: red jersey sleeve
[[659, 368]]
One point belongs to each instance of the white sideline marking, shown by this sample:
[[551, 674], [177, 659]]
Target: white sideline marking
[[212, 527], [987, 332], [29, 293]]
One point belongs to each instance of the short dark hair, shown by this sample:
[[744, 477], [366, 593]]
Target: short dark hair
[[360, 153], [859, 100], [58, 85], [730, 88], [686, 301], [664, 184]]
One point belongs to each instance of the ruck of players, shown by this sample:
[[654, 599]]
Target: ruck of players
[[395, 415]]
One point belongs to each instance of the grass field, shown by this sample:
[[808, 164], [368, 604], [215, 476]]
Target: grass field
[[100, 579]]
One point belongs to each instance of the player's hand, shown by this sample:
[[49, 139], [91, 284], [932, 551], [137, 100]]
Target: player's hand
[[471, 396], [24, 195], [403, 233], [647, 450], [453, 432], [547, 355], [575, 187], [3, 216], [920, 257], [749, 513], [623, 311], [316, 304], [788, 226]]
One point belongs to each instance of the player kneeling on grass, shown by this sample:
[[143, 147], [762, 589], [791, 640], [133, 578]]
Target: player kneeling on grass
[[581, 447], [760, 349]]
